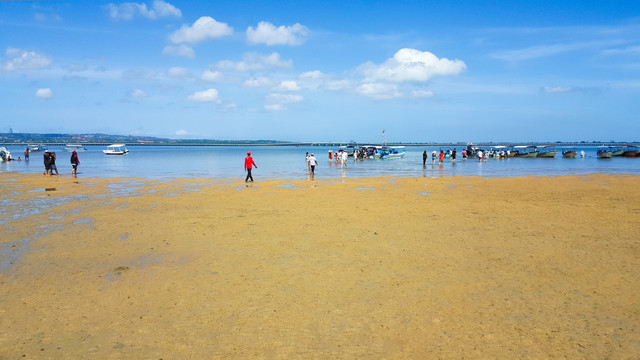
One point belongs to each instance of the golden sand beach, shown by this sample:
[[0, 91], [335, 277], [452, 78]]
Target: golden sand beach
[[371, 268]]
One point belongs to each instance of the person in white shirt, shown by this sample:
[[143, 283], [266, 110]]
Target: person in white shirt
[[312, 161]]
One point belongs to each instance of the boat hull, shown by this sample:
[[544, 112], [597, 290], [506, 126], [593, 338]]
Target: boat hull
[[569, 154], [528, 155], [605, 155], [106, 152], [548, 154]]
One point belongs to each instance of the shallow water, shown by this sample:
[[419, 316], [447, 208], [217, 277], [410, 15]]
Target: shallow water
[[288, 162]]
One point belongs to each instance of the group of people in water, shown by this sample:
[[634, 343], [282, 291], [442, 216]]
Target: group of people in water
[[50, 162]]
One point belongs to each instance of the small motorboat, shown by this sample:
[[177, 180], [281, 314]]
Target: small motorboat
[[392, 152], [34, 147], [74, 147], [116, 149]]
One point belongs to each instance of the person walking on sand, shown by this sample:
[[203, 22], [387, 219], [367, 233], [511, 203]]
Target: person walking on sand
[[74, 163], [312, 164], [47, 163], [248, 164], [53, 164]]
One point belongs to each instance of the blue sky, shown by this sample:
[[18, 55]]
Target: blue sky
[[324, 71]]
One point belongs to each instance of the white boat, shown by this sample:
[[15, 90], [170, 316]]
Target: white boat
[[116, 149], [350, 148], [34, 147], [74, 147], [5, 155]]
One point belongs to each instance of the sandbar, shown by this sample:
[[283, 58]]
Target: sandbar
[[370, 268]]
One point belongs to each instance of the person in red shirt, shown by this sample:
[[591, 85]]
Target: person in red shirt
[[248, 164]]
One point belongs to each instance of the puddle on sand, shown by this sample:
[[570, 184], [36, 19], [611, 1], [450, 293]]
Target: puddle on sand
[[83, 221], [364, 188], [424, 193]]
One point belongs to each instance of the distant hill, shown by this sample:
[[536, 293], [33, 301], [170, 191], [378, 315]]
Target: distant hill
[[29, 138]]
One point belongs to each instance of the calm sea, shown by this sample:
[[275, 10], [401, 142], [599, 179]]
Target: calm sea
[[288, 162]]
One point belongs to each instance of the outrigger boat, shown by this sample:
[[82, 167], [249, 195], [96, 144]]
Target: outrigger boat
[[116, 149]]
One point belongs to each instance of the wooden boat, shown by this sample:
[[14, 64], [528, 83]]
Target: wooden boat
[[569, 153], [630, 151], [525, 151], [546, 152], [116, 149], [604, 152]]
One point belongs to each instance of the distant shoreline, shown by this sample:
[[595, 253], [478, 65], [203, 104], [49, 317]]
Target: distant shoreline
[[326, 144]]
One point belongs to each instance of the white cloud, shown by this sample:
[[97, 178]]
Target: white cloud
[[139, 74], [178, 72], [276, 102], [211, 76], [44, 93], [275, 107], [337, 85], [267, 33], [556, 89], [288, 85], [182, 132], [410, 65], [210, 95], [180, 50], [205, 28], [259, 82], [284, 98], [379, 91], [137, 93], [421, 94], [18, 59], [128, 10], [313, 75], [254, 61]]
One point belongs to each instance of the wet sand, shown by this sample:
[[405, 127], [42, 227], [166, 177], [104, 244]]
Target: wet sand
[[372, 268]]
